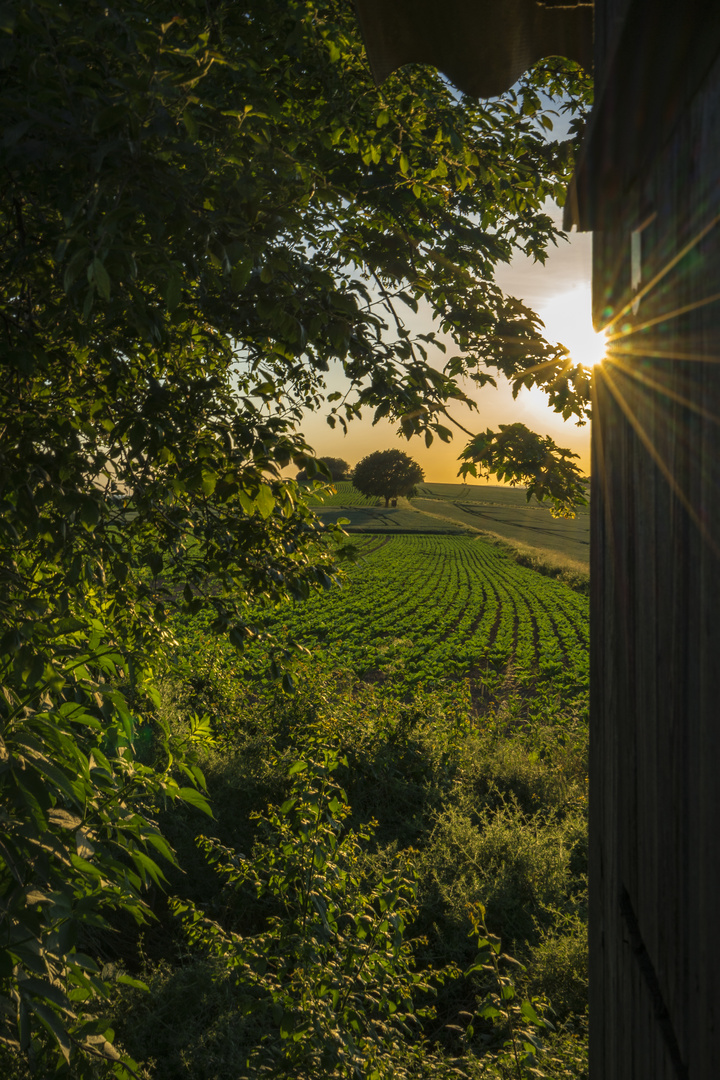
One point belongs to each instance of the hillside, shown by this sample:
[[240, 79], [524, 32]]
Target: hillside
[[502, 512]]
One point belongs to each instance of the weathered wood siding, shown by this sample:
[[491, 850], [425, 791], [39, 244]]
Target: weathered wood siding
[[655, 571]]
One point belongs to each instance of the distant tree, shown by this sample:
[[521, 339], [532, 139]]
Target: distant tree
[[388, 473], [336, 466]]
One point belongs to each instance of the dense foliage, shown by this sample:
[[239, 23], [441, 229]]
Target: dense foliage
[[520, 456], [201, 212], [388, 474]]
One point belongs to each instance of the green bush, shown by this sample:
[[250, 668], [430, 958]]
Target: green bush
[[519, 867], [325, 985], [559, 967]]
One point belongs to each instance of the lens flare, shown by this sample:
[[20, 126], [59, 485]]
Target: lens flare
[[568, 320]]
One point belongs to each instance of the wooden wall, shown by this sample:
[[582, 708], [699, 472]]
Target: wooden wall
[[655, 571]]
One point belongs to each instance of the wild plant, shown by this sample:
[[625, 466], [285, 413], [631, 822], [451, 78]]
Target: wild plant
[[327, 981], [515, 1023]]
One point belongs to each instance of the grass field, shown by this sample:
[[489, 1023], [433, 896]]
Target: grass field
[[506, 512], [488, 494]]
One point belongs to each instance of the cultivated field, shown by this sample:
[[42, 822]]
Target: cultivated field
[[466, 508], [426, 610]]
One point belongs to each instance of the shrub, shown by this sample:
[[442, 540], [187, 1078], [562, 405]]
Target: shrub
[[519, 867], [327, 982]]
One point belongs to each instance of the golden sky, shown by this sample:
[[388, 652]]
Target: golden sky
[[560, 292]]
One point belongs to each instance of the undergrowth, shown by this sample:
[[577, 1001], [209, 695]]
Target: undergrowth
[[387, 888]]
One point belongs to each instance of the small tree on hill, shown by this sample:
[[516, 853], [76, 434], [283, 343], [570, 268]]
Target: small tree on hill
[[337, 467], [388, 473]]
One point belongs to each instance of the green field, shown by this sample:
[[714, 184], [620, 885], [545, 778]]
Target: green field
[[418, 800], [422, 610], [507, 513], [408, 797], [487, 494], [466, 508], [344, 495]]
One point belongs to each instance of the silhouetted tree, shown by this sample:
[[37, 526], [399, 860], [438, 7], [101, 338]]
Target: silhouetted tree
[[387, 473]]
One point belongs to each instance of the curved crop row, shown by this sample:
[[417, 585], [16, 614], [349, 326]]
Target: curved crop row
[[422, 609]]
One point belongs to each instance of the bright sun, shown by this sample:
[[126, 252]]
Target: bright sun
[[568, 319]]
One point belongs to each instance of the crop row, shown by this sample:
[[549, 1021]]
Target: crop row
[[419, 609]]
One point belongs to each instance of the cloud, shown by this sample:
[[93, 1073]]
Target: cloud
[[568, 266]]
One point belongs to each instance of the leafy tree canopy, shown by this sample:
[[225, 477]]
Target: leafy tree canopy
[[520, 456], [337, 469], [201, 212], [387, 473]]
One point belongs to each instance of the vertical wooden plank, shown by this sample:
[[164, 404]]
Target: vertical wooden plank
[[655, 620]]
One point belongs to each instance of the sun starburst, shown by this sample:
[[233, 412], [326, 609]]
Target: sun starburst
[[568, 320]]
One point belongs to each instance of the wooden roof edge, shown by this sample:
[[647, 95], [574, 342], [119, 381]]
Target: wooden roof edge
[[482, 46]]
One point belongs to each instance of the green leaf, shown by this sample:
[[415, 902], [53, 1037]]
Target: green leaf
[[147, 867], [240, 274], [128, 980], [99, 275], [209, 482], [64, 818], [194, 798], [190, 124], [46, 991], [35, 896], [530, 1014], [161, 845], [51, 1021], [265, 501]]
